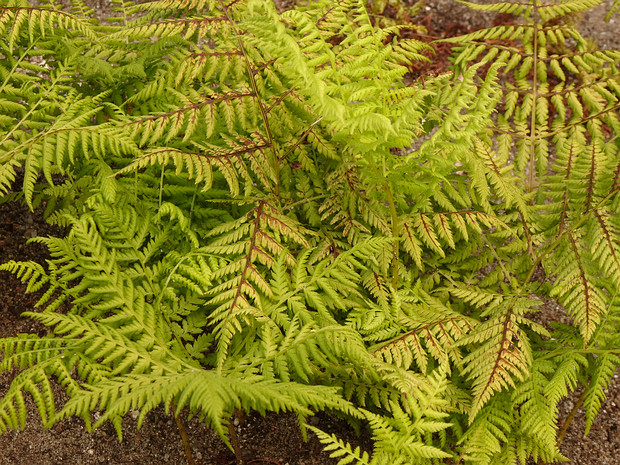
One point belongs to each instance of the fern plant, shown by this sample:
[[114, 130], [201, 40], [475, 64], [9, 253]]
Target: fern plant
[[251, 225], [556, 131], [615, 7], [210, 286]]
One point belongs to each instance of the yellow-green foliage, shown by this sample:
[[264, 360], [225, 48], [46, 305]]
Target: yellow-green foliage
[[615, 8], [262, 216]]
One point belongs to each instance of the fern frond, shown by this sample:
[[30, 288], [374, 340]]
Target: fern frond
[[606, 366], [19, 19], [38, 358], [400, 439], [575, 286], [54, 149], [615, 8], [564, 378], [538, 414], [13, 405], [547, 12], [199, 165], [349, 104], [486, 436], [341, 448], [253, 242], [504, 355], [261, 215], [415, 332], [205, 393], [606, 245]]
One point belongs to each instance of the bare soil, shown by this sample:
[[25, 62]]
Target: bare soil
[[274, 439]]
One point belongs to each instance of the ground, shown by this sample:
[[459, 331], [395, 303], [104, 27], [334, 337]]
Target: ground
[[274, 439]]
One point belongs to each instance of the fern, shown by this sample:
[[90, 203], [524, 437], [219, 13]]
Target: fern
[[131, 347], [615, 7], [260, 215], [401, 439], [556, 131]]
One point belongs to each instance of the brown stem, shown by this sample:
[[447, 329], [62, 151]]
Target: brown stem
[[236, 444], [240, 414], [570, 417], [185, 439]]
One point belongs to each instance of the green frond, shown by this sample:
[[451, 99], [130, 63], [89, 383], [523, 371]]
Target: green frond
[[486, 436], [605, 231], [606, 366], [615, 8], [547, 12], [529, 103], [349, 209], [341, 448], [38, 358], [37, 279], [25, 351], [209, 395], [564, 378], [575, 286], [400, 439], [13, 405], [54, 149], [504, 356], [30, 272], [21, 19], [253, 244], [416, 331], [538, 413], [348, 104]]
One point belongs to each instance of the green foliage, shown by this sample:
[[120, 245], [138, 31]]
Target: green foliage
[[260, 215], [399, 438], [615, 8]]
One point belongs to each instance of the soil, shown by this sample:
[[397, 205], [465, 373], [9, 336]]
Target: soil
[[274, 439]]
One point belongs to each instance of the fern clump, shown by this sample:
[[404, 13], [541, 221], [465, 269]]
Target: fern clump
[[250, 225]]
